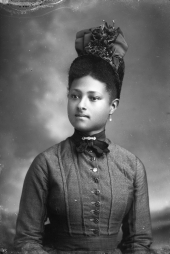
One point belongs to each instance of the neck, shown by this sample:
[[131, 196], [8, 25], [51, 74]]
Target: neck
[[89, 133]]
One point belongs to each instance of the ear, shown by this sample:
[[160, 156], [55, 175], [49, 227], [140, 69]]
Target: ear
[[113, 106]]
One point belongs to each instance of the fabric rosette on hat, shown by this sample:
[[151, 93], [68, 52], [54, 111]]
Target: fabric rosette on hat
[[104, 41]]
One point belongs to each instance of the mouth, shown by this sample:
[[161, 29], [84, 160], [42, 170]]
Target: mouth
[[81, 116]]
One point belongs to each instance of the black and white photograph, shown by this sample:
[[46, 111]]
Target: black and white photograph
[[85, 127]]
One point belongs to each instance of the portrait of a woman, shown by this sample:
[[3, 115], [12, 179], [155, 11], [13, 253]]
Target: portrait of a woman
[[86, 186], [84, 127]]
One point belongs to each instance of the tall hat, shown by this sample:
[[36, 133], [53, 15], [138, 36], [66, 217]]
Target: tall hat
[[104, 41]]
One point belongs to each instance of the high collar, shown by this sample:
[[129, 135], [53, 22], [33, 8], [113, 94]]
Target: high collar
[[77, 136], [96, 143]]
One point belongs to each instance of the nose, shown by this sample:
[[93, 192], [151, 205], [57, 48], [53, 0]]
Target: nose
[[82, 104]]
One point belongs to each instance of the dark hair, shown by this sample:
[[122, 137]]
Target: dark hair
[[99, 69]]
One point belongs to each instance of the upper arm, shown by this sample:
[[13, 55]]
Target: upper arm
[[32, 210], [136, 224]]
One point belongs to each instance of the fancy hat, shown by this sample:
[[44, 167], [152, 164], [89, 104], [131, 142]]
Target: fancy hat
[[104, 41]]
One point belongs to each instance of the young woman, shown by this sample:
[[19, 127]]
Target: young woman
[[87, 186]]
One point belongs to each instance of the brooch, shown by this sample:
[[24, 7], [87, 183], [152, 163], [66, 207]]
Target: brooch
[[89, 138]]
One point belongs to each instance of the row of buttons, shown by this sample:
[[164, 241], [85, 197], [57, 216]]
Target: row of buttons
[[96, 179], [96, 192]]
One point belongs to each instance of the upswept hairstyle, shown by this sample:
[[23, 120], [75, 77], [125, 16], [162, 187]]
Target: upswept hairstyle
[[98, 69]]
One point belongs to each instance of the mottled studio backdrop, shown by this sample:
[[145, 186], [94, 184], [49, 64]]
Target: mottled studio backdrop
[[36, 50]]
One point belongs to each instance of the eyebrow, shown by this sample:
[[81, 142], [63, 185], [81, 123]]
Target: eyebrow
[[77, 90]]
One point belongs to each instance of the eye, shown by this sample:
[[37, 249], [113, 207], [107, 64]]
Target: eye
[[95, 98], [74, 96]]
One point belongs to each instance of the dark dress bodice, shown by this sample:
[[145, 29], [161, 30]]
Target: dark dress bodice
[[87, 199]]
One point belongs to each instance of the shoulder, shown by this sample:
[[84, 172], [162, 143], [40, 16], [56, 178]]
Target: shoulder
[[127, 162], [49, 157], [122, 154], [54, 150]]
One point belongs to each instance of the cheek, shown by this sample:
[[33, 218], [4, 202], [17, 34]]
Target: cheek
[[69, 104], [69, 112], [101, 115], [103, 109], [70, 107]]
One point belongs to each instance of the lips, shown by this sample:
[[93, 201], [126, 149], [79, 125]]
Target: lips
[[81, 115]]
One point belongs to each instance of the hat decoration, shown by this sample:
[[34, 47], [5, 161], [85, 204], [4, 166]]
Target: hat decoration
[[104, 41]]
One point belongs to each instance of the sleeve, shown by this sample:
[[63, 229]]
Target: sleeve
[[136, 225], [32, 210]]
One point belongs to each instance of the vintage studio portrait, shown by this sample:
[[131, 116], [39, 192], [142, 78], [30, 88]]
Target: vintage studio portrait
[[84, 127]]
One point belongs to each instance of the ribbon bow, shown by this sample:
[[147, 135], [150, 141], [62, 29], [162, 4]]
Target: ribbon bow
[[97, 143], [98, 146]]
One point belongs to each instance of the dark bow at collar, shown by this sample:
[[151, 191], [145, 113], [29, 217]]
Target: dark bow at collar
[[97, 143]]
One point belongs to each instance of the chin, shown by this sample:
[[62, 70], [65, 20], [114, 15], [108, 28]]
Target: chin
[[82, 129], [88, 131]]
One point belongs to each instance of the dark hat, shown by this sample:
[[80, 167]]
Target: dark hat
[[104, 41]]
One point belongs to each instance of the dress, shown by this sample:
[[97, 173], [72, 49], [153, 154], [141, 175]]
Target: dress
[[87, 199]]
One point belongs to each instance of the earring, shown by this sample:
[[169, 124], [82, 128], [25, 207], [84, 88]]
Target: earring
[[110, 117]]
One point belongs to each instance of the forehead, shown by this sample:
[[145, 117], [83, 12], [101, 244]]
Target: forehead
[[88, 84]]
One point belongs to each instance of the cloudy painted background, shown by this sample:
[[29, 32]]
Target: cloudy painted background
[[35, 53]]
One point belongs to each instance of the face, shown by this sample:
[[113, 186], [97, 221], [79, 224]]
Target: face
[[89, 105]]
